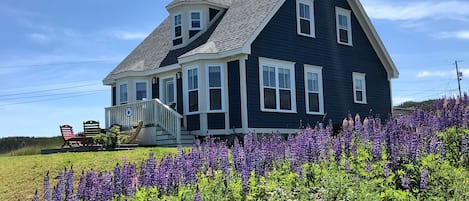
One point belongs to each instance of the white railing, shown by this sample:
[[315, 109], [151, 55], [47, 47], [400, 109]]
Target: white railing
[[150, 112]]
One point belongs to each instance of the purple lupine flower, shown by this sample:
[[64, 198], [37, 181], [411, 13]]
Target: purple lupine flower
[[424, 179], [245, 180], [117, 180], [60, 185], [225, 163], [47, 187], [92, 185], [36, 196], [376, 146], [347, 166], [198, 196], [56, 195], [69, 179], [405, 182], [386, 169], [464, 145], [81, 187], [337, 144], [368, 167]]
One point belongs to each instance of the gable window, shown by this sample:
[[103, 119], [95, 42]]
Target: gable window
[[314, 90], [305, 17], [359, 87], [215, 88], [141, 90], [344, 26], [277, 85], [177, 29], [193, 89], [123, 94], [196, 20]]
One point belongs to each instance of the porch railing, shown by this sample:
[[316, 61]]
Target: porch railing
[[150, 112]]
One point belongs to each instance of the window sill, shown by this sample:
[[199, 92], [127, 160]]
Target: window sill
[[346, 44], [191, 113], [279, 111], [215, 111], [315, 113], [362, 103], [307, 35]]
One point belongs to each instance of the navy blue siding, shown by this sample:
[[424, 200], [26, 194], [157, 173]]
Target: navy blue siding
[[180, 101], [193, 122], [279, 40], [114, 99], [216, 120], [235, 94]]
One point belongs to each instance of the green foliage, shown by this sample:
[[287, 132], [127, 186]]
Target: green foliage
[[109, 140], [452, 141]]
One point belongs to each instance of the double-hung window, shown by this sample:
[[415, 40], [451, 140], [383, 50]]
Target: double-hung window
[[215, 88], [177, 29], [344, 26], [277, 85], [141, 90], [305, 17], [123, 99], [193, 89], [195, 20], [359, 88], [314, 90]]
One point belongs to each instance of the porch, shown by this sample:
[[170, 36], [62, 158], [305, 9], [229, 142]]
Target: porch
[[162, 124]]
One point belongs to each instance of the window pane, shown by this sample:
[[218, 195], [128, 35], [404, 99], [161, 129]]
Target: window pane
[[305, 26], [270, 101], [313, 102], [284, 78], [177, 31], [343, 35], [195, 24], [141, 89], [268, 74], [170, 91], [265, 76], [285, 100], [177, 20], [214, 76], [343, 22], [358, 84], [272, 77], [302, 10], [123, 93], [190, 83], [195, 79], [307, 14], [359, 95], [193, 101], [215, 99], [195, 15]]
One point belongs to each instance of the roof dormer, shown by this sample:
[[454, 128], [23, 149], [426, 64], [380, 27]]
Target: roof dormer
[[191, 18]]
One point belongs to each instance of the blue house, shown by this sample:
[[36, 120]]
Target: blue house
[[234, 66]]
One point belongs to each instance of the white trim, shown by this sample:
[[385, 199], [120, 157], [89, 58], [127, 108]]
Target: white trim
[[362, 77], [347, 13], [162, 88], [222, 87], [147, 89], [277, 64], [243, 92], [312, 24], [318, 70], [186, 90], [120, 102], [112, 79], [200, 20], [173, 26], [169, 7]]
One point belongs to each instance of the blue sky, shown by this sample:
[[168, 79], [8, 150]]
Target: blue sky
[[54, 54]]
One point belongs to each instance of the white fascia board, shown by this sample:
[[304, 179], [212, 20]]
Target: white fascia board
[[169, 7], [374, 38], [114, 77], [210, 56]]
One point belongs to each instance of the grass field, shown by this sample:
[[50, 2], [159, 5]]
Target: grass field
[[21, 175]]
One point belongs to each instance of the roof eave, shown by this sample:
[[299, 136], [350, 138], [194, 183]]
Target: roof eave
[[171, 6]]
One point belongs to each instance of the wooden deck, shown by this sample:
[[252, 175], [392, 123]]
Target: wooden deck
[[93, 148]]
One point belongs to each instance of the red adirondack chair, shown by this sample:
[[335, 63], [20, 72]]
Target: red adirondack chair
[[70, 138]]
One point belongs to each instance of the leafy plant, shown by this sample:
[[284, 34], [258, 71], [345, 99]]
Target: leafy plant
[[109, 140]]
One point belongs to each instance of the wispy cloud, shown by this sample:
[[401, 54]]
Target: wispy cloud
[[457, 35], [440, 74], [126, 35], [39, 37], [417, 10]]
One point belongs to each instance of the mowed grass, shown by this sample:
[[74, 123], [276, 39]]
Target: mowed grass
[[20, 176]]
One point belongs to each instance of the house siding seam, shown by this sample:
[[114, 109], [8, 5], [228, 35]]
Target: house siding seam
[[216, 120], [193, 122], [234, 94], [279, 40]]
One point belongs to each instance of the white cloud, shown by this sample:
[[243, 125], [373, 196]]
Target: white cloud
[[417, 10], [125, 35], [457, 34], [39, 37], [441, 74]]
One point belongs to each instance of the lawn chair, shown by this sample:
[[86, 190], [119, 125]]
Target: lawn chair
[[90, 129], [70, 138], [132, 135]]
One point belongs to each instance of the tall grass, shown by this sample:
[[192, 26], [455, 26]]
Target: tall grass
[[21, 146]]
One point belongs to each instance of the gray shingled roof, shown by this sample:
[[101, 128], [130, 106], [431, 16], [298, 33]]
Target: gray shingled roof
[[221, 2], [232, 32]]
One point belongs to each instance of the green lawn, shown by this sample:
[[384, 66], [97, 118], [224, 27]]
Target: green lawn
[[21, 175]]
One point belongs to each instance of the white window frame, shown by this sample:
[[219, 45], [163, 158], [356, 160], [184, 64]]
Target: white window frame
[[318, 70], [187, 90], [277, 64], [222, 87], [163, 88], [312, 25], [127, 96], [146, 89], [200, 20], [362, 77], [173, 25], [341, 11]]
